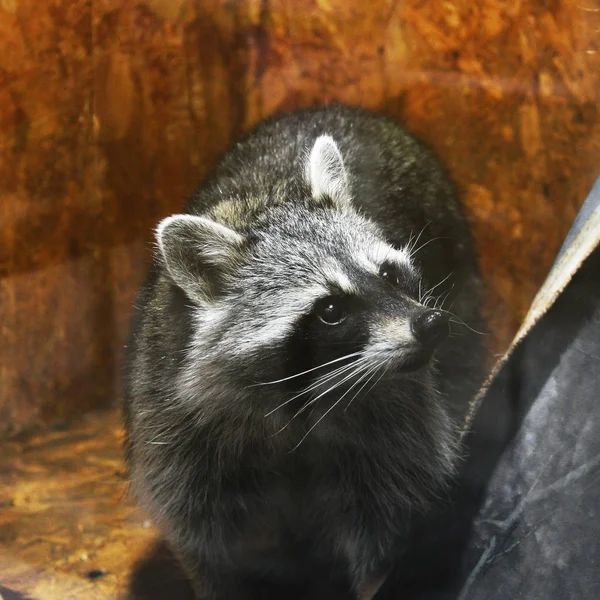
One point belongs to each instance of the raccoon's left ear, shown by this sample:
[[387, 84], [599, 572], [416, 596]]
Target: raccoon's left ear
[[326, 172]]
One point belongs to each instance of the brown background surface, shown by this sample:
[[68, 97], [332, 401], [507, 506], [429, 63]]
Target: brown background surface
[[68, 530], [111, 111]]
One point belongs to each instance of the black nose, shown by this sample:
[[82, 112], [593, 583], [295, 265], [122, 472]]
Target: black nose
[[431, 328]]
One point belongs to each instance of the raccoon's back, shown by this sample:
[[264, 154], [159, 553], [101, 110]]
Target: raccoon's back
[[384, 162]]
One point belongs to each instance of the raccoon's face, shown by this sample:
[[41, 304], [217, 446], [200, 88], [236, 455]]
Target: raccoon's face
[[311, 298]]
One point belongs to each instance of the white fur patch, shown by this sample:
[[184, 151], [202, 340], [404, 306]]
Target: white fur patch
[[273, 330], [397, 331], [337, 277], [389, 340], [246, 336], [374, 256], [380, 253]]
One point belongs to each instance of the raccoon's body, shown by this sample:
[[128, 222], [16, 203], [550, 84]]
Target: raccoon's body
[[259, 450]]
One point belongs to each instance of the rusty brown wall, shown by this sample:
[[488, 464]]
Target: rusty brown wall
[[110, 112]]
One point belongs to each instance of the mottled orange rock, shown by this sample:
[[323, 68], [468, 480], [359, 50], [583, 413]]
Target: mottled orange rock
[[110, 113]]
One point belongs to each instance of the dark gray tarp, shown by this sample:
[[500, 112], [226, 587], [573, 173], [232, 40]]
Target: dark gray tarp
[[537, 533]]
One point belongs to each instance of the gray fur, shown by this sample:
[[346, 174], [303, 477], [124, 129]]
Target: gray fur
[[308, 203]]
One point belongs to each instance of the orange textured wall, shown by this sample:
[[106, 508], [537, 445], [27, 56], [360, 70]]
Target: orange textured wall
[[111, 111]]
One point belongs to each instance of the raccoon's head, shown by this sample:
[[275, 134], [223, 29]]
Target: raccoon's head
[[308, 297]]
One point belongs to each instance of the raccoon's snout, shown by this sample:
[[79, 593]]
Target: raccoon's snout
[[431, 328], [410, 343]]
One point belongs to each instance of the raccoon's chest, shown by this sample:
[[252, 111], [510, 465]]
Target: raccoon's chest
[[339, 505], [312, 512]]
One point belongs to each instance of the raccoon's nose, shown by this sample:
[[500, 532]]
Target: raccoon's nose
[[431, 328]]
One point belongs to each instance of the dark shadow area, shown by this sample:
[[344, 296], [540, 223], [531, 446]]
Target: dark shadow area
[[158, 576], [8, 594]]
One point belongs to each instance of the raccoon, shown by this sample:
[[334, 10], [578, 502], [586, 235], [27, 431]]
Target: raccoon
[[294, 384]]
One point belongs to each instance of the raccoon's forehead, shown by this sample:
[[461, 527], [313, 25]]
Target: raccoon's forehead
[[328, 244]]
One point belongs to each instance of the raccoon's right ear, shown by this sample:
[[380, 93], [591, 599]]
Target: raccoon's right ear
[[326, 172], [197, 252]]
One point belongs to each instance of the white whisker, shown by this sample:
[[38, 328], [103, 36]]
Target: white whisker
[[446, 295], [329, 410], [336, 385], [385, 370], [428, 242], [318, 382], [307, 371], [323, 378], [364, 385], [461, 322], [411, 248], [428, 292], [313, 401]]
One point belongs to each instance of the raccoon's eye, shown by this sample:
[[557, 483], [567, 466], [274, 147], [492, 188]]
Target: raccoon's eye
[[389, 272], [331, 310]]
